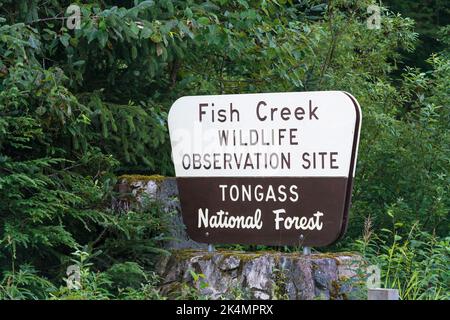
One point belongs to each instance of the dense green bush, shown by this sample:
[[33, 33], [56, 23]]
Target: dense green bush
[[77, 107], [416, 263]]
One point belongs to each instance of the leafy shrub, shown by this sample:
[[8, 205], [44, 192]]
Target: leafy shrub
[[415, 264], [126, 281], [24, 284]]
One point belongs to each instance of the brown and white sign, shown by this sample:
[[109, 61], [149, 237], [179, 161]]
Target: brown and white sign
[[266, 168]]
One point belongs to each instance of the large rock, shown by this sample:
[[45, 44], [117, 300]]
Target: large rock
[[261, 275]]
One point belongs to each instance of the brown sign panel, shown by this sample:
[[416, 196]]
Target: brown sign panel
[[272, 169]]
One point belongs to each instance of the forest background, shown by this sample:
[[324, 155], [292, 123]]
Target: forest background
[[80, 107]]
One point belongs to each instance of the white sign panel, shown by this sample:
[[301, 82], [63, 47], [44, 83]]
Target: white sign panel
[[228, 146]]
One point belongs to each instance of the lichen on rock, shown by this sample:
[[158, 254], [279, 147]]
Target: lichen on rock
[[266, 275]]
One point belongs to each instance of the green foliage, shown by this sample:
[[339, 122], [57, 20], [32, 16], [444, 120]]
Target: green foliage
[[138, 235], [191, 291], [416, 264], [122, 281], [87, 283], [79, 106], [430, 17], [404, 156], [24, 284]]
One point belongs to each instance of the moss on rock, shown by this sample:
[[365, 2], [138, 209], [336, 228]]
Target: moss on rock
[[264, 274], [131, 178]]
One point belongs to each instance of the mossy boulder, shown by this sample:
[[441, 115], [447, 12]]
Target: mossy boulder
[[262, 275]]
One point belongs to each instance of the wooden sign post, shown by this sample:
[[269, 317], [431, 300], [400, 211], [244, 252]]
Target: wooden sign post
[[267, 168]]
